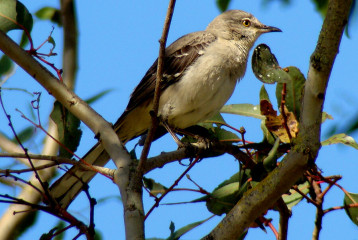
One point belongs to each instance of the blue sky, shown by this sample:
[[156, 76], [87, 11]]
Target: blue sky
[[118, 43]]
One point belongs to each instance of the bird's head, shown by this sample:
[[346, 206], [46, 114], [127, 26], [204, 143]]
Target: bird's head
[[239, 25]]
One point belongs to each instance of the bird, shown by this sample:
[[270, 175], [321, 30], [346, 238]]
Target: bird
[[200, 72]]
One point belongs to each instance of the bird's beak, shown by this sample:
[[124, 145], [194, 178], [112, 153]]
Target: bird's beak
[[266, 29]]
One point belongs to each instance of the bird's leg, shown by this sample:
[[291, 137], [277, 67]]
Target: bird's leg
[[199, 133], [172, 133]]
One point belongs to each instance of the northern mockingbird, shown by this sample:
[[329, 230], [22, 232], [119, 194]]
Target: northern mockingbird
[[200, 73]]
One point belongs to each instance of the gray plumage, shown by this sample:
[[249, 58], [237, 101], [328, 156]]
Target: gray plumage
[[200, 73]]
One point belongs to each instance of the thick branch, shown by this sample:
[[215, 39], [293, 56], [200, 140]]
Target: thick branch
[[263, 196]]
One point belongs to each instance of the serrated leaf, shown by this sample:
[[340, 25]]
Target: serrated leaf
[[6, 65], [154, 187], [68, 128], [294, 91], [50, 13], [294, 197], [14, 15], [223, 4], [341, 138], [180, 232], [248, 110], [352, 212]]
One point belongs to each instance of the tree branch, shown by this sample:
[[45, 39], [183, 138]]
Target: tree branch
[[306, 146], [134, 212], [76, 106]]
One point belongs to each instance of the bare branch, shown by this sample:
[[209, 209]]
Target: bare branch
[[160, 69]]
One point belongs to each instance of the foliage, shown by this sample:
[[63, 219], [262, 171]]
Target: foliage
[[279, 130]]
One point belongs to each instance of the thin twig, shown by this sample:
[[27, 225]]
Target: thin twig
[[160, 70], [43, 185], [285, 215], [319, 212], [171, 187], [353, 205]]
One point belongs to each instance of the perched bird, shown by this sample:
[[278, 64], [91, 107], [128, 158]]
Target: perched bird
[[201, 70]]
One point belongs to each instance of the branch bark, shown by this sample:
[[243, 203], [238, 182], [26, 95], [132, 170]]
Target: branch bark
[[76, 106], [134, 211], [306, 146], [50, 146]]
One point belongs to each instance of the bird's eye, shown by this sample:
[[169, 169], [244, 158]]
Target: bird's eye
[[246, 22]]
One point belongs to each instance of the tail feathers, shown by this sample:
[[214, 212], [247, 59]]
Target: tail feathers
[[130, 125], [66, 188]]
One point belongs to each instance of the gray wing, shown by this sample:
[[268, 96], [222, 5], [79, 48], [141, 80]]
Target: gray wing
[[178, 57]]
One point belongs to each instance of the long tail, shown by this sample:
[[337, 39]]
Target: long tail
[[130, 125], [66, 188]]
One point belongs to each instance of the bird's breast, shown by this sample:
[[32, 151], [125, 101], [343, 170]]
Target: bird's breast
[[204, 87]]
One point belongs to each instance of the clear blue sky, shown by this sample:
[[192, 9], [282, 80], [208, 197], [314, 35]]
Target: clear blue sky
[[119, 41]]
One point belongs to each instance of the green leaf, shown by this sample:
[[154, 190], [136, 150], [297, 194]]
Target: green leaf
[[25, 135], [326, 116], [265, 66], [321, 6], [352, 212], [172, 229], [341, 138], [223, 198], [24, 40], [52, 42], [50, 13], [217, 119], [14, 15], [60, 225], [6, 65], [263, 94], [270, 160], [268, 136], [48, 236], [248, 110], [223, 4], [180, 232], [293, 198], [68, 128], [98, 96], [154, 187], [294, 91], [228, 193], [222, 134]]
